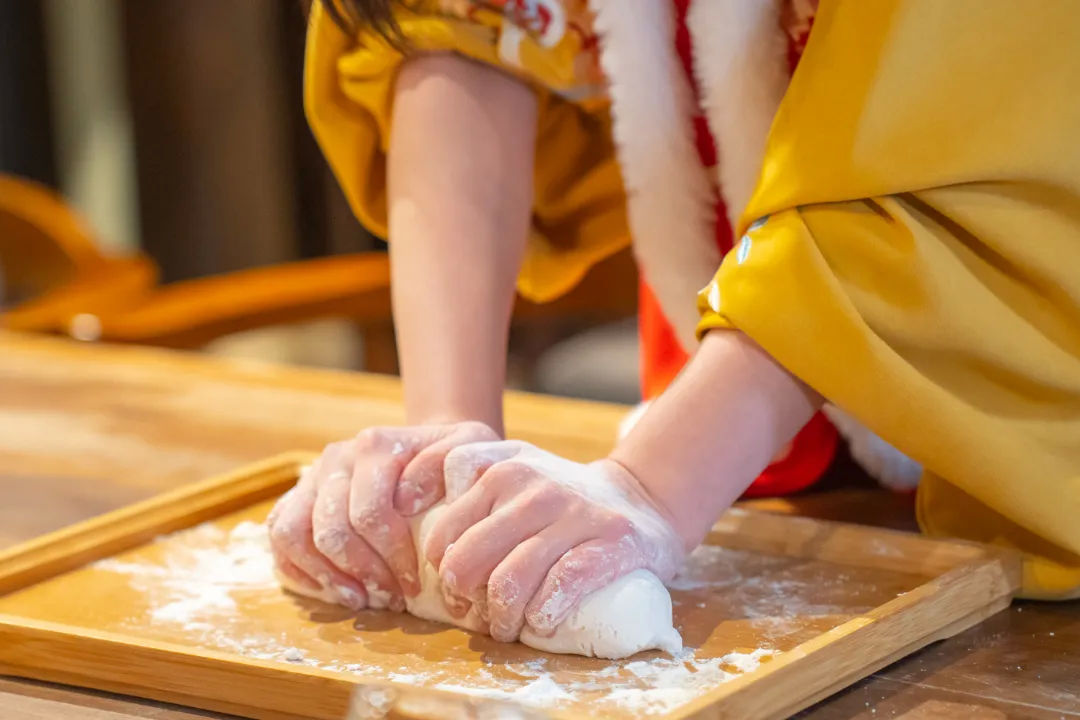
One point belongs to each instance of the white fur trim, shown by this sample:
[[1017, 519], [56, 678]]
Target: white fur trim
[[879, 459], [740, 60], [669, 192]]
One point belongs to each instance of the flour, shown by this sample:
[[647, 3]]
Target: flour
[[667, 684], [543, 691], [204, 580], [643, 687], [198, 578]]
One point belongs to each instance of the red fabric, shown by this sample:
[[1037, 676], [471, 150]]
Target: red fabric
[[661, 355], [811, 453]]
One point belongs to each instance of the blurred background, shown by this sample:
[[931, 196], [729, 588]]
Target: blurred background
[[159, 186]]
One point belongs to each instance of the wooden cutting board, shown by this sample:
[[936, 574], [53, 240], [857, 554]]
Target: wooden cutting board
[[173, 599]]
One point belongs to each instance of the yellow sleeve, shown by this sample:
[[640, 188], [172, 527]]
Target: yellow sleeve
[[916, 252], [578, 210]]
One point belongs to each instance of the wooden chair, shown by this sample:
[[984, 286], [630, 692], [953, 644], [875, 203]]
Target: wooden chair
[[68, 287], [52, 268]]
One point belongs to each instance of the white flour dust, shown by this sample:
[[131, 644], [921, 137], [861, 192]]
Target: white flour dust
[[198, 578], [195, 585], [643, 687]]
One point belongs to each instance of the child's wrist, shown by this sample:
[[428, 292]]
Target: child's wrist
[[682, 526], [453, 416]]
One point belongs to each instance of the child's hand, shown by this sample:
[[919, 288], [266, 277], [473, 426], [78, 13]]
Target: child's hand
[[528, 534], [342, 533]]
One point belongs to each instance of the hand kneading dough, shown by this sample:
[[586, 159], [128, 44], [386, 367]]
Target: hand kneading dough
[[629, 615]]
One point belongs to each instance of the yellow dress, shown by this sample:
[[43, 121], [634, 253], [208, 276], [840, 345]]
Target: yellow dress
[[579, 206], [914, 255]]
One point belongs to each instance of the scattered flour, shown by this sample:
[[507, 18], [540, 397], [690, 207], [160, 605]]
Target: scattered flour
[[541, 691], [195, 586], [198, 579], [643, 687]]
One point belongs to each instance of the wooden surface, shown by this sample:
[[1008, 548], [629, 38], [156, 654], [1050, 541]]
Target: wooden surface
[[831, 604], [88, 429], [85, 429]]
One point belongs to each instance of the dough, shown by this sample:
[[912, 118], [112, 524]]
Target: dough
[[629, 615]]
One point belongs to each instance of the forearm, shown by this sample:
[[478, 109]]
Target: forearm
[[460, 194], [705, 439]]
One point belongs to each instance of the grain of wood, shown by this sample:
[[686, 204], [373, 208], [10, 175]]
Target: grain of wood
[[938, 710], [963, 584], [88, 428], [22, 698], [103, 426]]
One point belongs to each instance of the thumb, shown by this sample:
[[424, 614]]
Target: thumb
[[421, 484], [465, 464]]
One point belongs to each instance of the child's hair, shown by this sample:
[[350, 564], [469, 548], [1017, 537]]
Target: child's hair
[[352, 15]]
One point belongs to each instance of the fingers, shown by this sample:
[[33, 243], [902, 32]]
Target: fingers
[[371, 511], [335, 539], [581, 571], [520, 575], [469, 562], [464, 512], [421, 484], [298, 579], [356, 539], [291, 536], [459, 516], [465, 464]]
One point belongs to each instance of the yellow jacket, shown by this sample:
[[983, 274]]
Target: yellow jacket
[[579, 206], [919, 208], [915, 256]]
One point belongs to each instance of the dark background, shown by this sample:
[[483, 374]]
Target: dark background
[[228, 174]]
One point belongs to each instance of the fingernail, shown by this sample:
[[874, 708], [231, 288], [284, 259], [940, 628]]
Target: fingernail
[[349, 597], [446, 551], [449, 579], [377, 598], [457, 606], [543, 631], [502, 633], [411, 498]]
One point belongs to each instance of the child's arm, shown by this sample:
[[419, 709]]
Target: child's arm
[[460, 187], [460, 195], [561, 529], [706, 438]]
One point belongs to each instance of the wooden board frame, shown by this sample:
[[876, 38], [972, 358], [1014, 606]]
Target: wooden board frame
[[968, 582]]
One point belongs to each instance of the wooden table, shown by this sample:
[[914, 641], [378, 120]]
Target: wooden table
[[84, 429]]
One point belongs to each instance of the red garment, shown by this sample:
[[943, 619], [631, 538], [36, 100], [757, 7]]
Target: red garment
[[661, 355]]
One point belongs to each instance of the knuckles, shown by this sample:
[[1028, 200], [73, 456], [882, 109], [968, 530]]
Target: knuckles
[[367, 520], [287, 536], [335, 451], [374, 439], [474, 431], [618, 526], [331, 542], [508, 474]]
